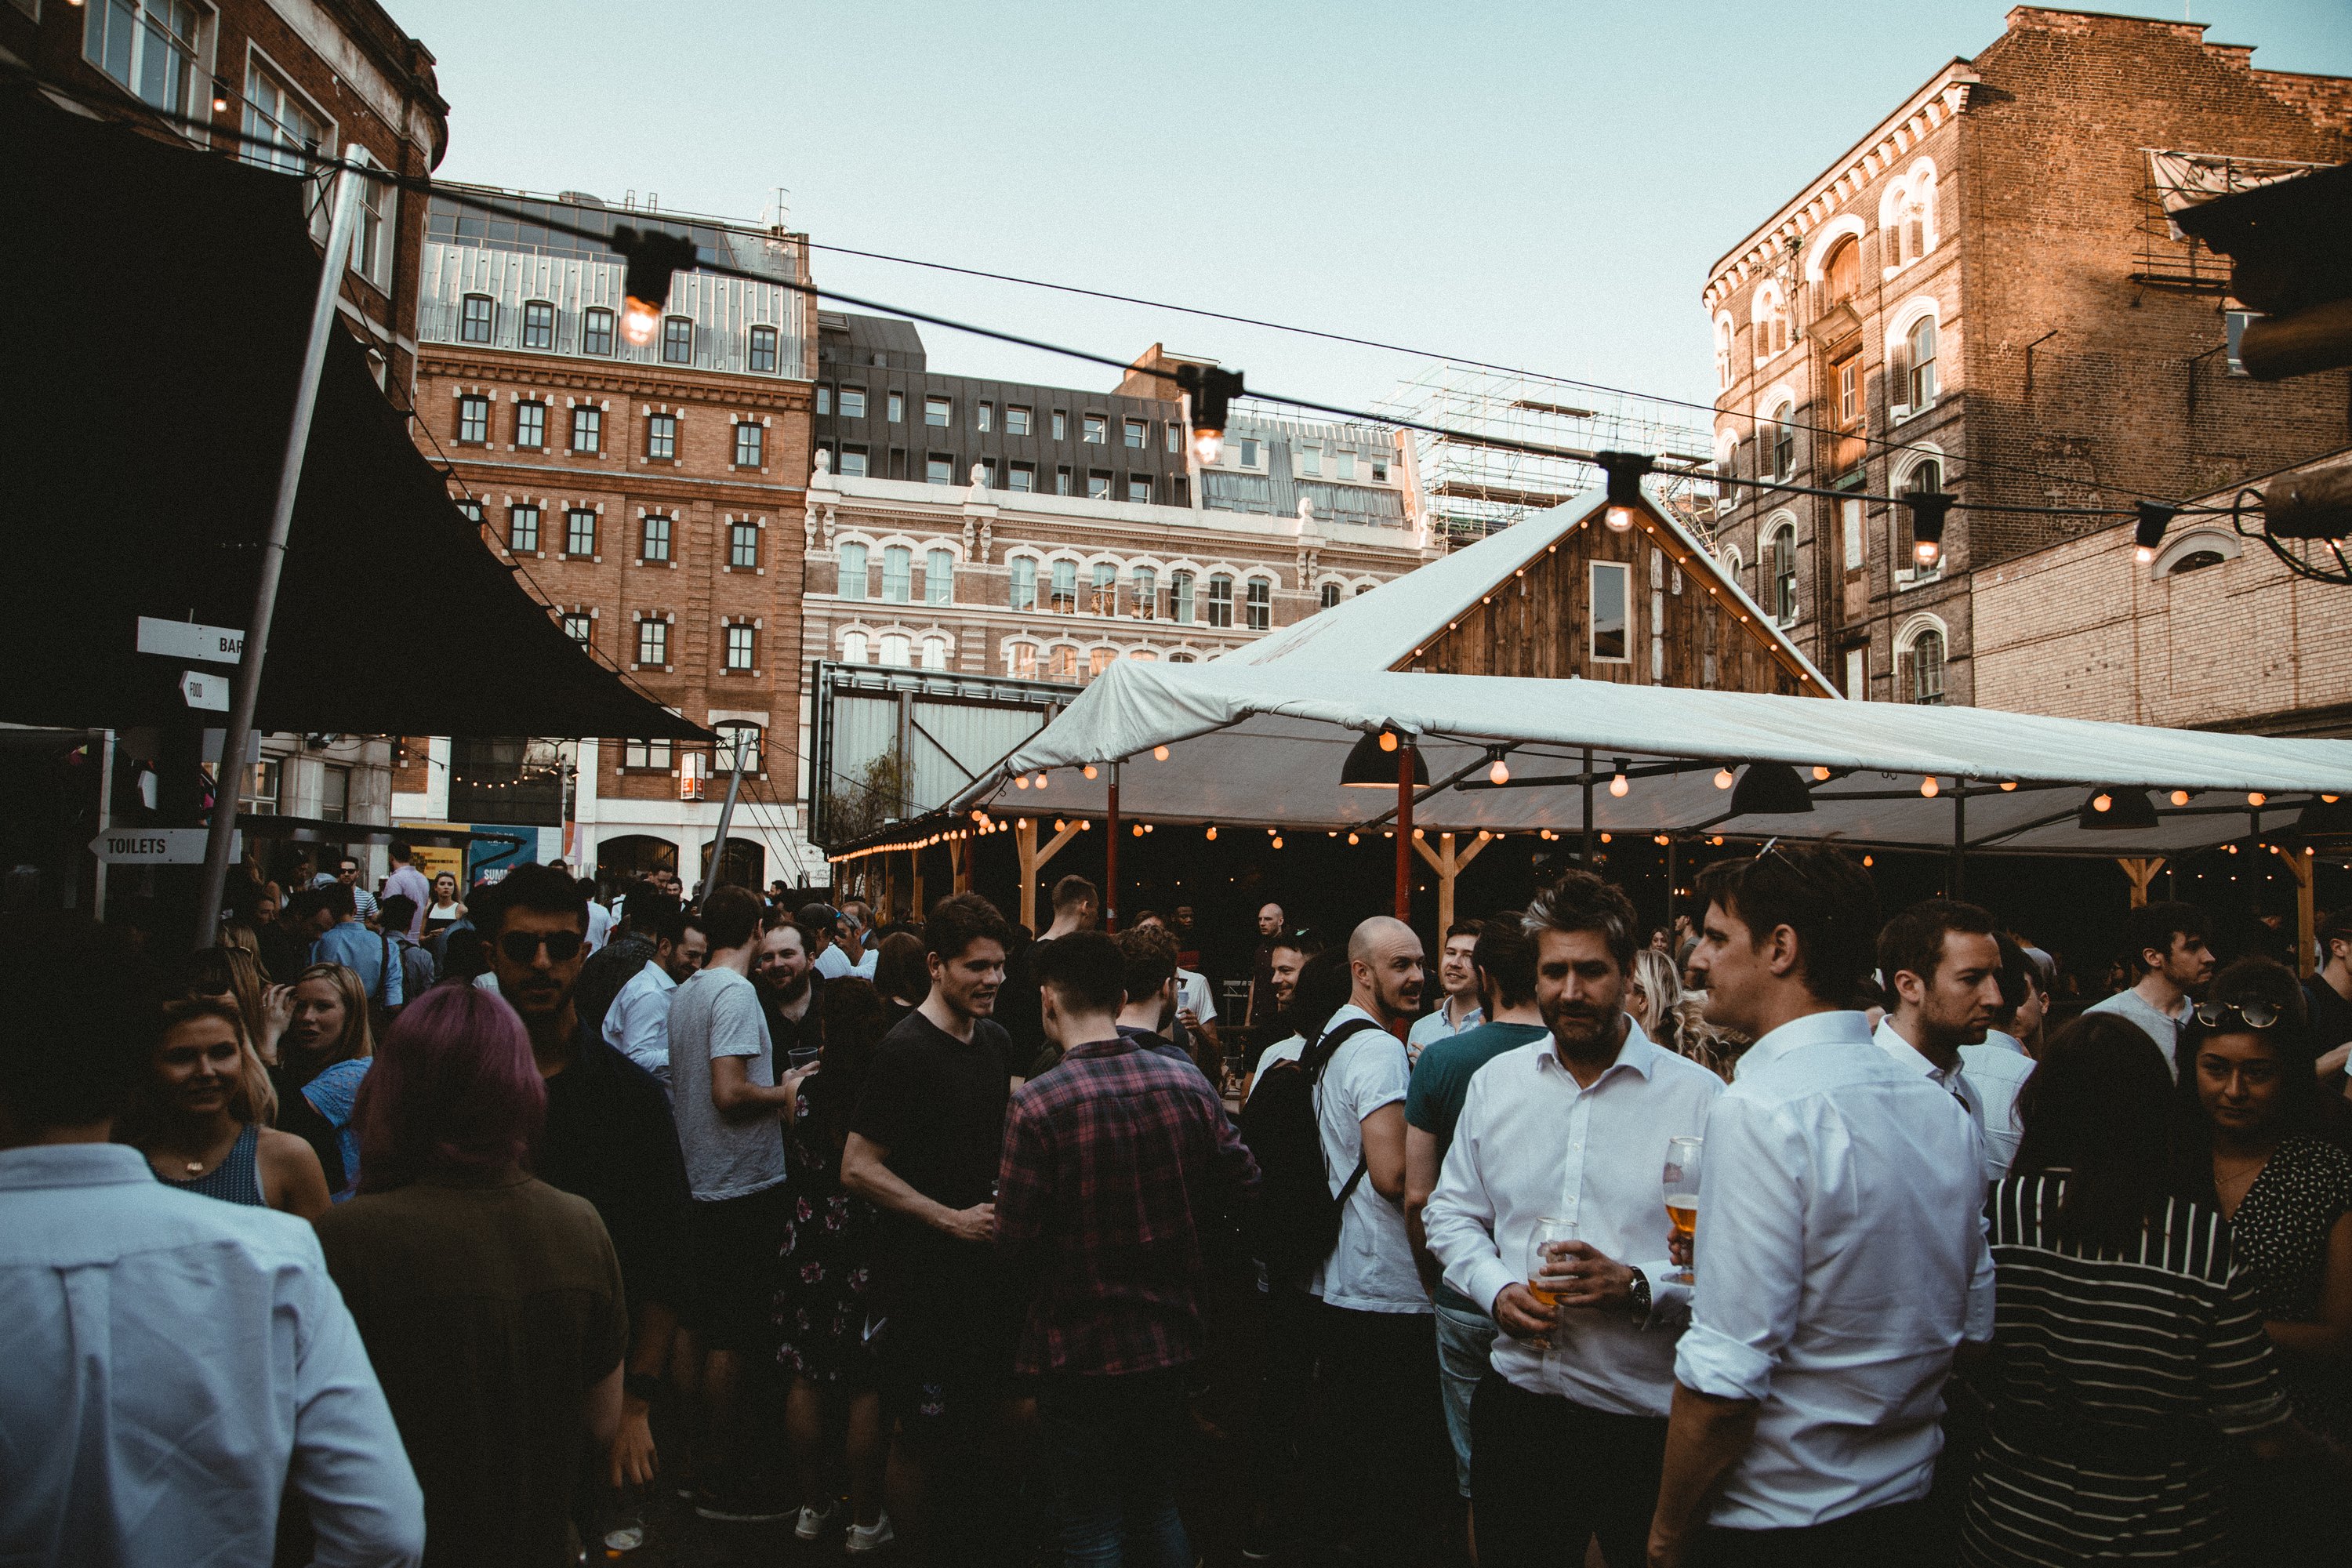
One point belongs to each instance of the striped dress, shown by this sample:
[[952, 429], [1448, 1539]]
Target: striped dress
[[2113, 1381]]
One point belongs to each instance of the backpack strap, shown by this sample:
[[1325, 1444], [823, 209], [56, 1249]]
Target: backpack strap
[[1334, 1039]]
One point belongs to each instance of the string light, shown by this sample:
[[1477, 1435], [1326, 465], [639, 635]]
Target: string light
[[1089, 770], [1604, 839], [2180, 797], [1040, 779], [1021, 781], [1159, 754], [1352, 838], [1821, 775], [2257, 797], [2100, 802], [1868, 861], [1278, 843], [2007, 785], [1723, 777], [1929, 787], [1139, 830], [1212, 833], [1499, 773], [1618, 786]]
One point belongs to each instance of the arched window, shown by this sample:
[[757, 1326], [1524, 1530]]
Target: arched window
[[1100, 659], [1023, 658], [1025, 585], [1842, 273], [1784, 442], [1146, 592], [1221, 600], [853, 648], [939, 577], [897, 647], [736, 734], [1066, 588], [1925, 667], [1921, 347], [1784, 574], [1066, 664], [1723, 353], [1925, 478], [1181, 659], [1144, 656], [897, 574], [935, 653], [1180, 598], [1330, 596], [1771, 319], [1260, 604], [853, 570]]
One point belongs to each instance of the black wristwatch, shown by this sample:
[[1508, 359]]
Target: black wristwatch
[[642, 1385], [1641, 1299]]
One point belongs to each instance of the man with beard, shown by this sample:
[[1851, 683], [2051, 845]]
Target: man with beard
[[789, 982], [1457, 978], [923, 1147], [1264, 1008], [1288, 956], [1939, 959], [637, 1025], [1569, 1422], [2166, 945], [608, 1135]]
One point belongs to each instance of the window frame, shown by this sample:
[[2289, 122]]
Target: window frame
[[732, 734], [1780, 556], [1018, 421], [742, 647], [652, 635], [1221, 600], [841, 403], [596, 331], [139, 70], [648, 756], [743, 544], [757, 435], [1095, 431], [580, 627], [1257, 605], [574, 519], [897, 575], [661, 436], [487, 319], [587, 421], [938, 576], [1919, 374], [655, 538], [537, 318], [531, 423], [1136, 433], [938, 412], [677, 340], [760, 342], [1624, 577], [517, 544], [1023, 594], [474, 419], [852, 578], [1183, 603]]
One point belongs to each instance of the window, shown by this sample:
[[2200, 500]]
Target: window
[[1062, 480], [763, 356], [1103, 596], [1025, 585], [579, 628], [1023, 478], [1100, 659], [1016, 420], [1146, 592], [1249, 454], [1608, 636], [1139, 489], [939, 469], [1857, 674], [475, 318], [1180, 598], [853, 648], [1347, 466], [652, 642], [646, 754], [263, 787], [579, 533], [596, 331], [1066, 664], [1311, 461], [538, 324], [988, 473], [531, 423], [522, 529], [852, 403], [935, 653], [897, 572], [1181, 659], [1927, 661], [473, 419], [661, 435], [751, 445], [1098, 484], [1061, 426], [853, 571], [987, 415], [1144, 656], [1784, 442], [824, 401], [1330, 595], [1136, 432], [148, 45], [372, 245], [738, 647], [677, 340], [742, 544], [1783, 558], [937, 411], [1097, 429], [897, 403], [657, 539], [1849, 389], [1221, 600], [853, 462], [1925, 479], [1066, 588], [1922, 346], [1175, 438], [472, 512], [1850, 533], [739, 745], [939, 577], [1771, 317], [1364, 588], [1842, 272], [335, 794], [587, 429], [896, 649], [1023, 658], [1260, 604]]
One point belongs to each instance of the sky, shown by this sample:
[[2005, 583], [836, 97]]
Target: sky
[[1543, 185]]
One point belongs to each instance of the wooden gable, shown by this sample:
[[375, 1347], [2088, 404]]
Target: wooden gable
[[1685, 625]]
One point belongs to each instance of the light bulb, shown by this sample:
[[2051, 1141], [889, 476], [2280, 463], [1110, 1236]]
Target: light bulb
[[1352, 838], [1212, 833], [2007, 785], [1660, 840], [1483, 836], [1499, 773], [1208, 446], [2234, 850], [1086, 824], [639, 320], [1021, 781], [1041, 780], [1277, 844], [1722, 778], [1089, 770], [1927, 550], [2256, 799], [1929, 787], [2100, 802], [2145, 555], [1148, 827], [2180, 797], [1388, 741], [1416, 833], [1618, 786], [1716, 841], [1159, 754], [1620, 518], [1059, 825], [1821, 775], [1139, 830], [1868, 861]]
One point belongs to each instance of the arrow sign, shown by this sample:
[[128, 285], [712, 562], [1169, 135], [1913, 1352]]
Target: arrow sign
[[153, 847], [203, 689], [186, 640]]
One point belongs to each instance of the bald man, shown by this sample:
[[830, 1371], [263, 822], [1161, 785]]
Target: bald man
[[1271, 929], [1380, 1356]]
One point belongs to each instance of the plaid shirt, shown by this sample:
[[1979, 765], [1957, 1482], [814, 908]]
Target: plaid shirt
[[1111, 1161]]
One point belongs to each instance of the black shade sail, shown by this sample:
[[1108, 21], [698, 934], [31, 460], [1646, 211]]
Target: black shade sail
[[159, 297]]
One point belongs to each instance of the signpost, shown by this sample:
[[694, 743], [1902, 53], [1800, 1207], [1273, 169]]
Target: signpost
[[202, 689], [154, 845]]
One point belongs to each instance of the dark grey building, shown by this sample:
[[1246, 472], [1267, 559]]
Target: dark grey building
[[881, 413]]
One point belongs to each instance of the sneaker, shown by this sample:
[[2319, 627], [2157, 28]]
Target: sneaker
[[1258, 1542], [813, 1521], [871, 1537], [741, 1505]]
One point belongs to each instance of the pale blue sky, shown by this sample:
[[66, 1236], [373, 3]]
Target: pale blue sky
[[1540, 185]]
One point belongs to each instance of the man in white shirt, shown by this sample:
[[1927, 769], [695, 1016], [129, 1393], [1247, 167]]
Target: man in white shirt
[[1380, 1355], [2000, 1066], [1570, 1441], [819, 921], [1940, 962], [638, 1023], [2166, 942], [1458, 977], [1841, 1257], [177, 1364], [600, 926]]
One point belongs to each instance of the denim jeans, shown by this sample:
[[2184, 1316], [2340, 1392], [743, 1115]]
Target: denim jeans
[[1465, 1340], [1111, 1444]]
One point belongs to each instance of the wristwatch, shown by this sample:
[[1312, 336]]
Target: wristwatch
[[1641, 1291], [645, 1385]]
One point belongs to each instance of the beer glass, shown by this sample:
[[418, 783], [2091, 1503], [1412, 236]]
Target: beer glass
[[1543, 1247], [1681, 1184]]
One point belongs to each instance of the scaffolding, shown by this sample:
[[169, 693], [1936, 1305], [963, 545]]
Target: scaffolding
[[1472, 486], [2171, 260]]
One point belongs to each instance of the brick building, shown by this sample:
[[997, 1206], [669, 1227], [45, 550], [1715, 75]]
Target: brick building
[[1982, 295], [648, 494]]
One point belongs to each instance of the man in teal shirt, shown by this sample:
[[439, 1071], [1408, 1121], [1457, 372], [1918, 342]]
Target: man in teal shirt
[[1505, 959]]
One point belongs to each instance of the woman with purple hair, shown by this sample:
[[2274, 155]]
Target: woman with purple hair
[[491, 1302]]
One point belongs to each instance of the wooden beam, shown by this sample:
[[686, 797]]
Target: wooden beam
[[2306, 918], [1448, 863], [914, 880], [1033, 860], [2141, 872], [960, 854]]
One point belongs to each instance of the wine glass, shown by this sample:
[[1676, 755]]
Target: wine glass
[[1681, 1184], [1544, 1246]]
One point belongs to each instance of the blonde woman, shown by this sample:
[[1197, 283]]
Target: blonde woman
[[235, 974], [201, 1116], [1678, 1023], [323, 1055]]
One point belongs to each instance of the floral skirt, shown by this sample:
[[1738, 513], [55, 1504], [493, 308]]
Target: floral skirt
[[820, 1307]]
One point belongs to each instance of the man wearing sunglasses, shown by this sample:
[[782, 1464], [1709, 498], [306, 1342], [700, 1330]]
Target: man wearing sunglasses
[[2166, 945], [608, 1136]]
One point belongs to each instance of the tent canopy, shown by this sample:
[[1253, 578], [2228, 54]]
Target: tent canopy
[[163, 297], [1265, 746]]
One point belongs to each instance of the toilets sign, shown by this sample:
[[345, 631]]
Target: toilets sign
[[153, 847]]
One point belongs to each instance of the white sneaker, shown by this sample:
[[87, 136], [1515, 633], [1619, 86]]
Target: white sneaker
[[814, 1522], [873, 1537]]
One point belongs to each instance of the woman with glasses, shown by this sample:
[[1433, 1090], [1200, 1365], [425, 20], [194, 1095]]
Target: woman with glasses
[[2253, 1150], [323, 1057]]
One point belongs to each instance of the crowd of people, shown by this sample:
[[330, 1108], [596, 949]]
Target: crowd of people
[[1790, 1235]]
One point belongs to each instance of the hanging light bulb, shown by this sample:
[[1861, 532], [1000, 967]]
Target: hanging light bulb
[[2102, 801], [1139, 830], [1868, 861], [1040, 779], [2007, 785], [1604, 839], [1723, 779], [1210, 390], [1500, 772], [1148, 827], [220, 96], [1416, 833], [1618, 786], [1159, 754], [1821, 775], [1929, 787], [1021, 781], [2180, 797], [1625, 470], [2233, 849], [2257, 797], [1278, 843], [1089, 770], [1388, 741], [1212, 833], [1716, 841]]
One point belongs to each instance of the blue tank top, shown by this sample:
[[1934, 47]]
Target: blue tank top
[[236, 1180]]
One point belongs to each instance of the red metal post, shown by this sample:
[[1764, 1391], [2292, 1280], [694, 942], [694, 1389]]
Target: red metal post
[[1110, 859]]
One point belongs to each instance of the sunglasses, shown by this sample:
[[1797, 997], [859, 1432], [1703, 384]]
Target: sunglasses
[[2252, 1015], [523, 946]]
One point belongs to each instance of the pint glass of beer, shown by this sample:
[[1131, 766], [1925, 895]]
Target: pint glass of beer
[[1681, 1184], [1546, 1245]]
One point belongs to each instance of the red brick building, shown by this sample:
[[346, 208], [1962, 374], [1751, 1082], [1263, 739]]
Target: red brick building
[[652, 494], [1982, 295]]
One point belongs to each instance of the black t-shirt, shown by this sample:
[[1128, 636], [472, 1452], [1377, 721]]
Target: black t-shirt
[[936, 1104], [2331, 1023], [1019, 1012]]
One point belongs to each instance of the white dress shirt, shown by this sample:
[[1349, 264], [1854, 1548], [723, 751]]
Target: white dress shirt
[[1841, 1261], [1999, 1068], [1953, 1080], [637, 1024], [1194, 991], [1533, 1142], [600, 926], [834, 964], [175, 1363], [1372, 1269]]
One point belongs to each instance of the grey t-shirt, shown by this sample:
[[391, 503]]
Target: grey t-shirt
[[716, 1014]]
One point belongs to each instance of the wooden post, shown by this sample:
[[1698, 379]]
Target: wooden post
[[2141, 872], [915, 879], [1033, 860], [2306, 918], [1448, 864], [1404, 831], [961, 850], [890, 890]]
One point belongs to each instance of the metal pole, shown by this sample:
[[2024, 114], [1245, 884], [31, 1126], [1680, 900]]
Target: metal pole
[[1110, 859], [229, 785], [1673, 844], [726, 816], [1404, 831], [1588, 808], [1959, 878]]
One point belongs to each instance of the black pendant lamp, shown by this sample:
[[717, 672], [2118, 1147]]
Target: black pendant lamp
[[1372, 762], [2112, 808], [1770, 789]]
